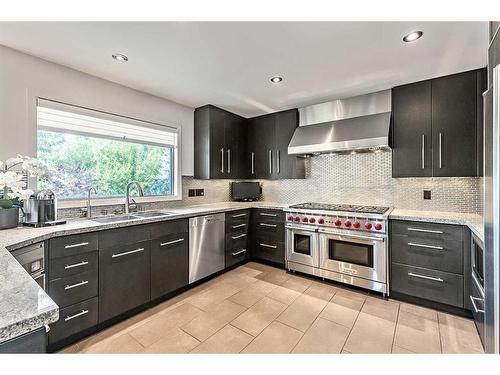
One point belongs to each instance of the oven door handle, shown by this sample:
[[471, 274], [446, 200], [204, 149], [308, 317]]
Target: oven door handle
[[301, 228], [355, 236]]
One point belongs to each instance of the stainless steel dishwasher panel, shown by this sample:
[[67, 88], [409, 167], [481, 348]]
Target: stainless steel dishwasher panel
[[206, 245]]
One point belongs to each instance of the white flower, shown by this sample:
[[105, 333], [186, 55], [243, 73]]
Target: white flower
[[1, 165], [11, 161], [22, 194]]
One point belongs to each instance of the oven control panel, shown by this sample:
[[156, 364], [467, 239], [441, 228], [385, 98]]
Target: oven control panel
[[340, 222]]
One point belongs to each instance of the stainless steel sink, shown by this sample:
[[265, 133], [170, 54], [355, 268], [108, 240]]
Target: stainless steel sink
[[153, 213], [135, 216]]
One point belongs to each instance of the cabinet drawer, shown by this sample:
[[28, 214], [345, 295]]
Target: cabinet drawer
[[236, 255], [74, 319], [72, 245], [159, 230], [269, 249], [236, 241], [236, 228], [73, 265], [123, 236], [438, 286], [237, 217], [430, 231], [262, 214], [423, 252], [72, 289], [272, 229]]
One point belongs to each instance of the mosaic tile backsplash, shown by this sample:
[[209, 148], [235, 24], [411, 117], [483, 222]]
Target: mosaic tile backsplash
[[351, 179]]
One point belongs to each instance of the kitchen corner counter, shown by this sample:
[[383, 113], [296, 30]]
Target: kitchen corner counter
[[473, 221]]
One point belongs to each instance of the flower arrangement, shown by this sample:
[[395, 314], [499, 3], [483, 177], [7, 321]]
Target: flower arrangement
[[11, 181]]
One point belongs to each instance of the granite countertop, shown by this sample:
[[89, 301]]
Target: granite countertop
[[473, 221]]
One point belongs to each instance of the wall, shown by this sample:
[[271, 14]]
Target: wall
[[23, 78]]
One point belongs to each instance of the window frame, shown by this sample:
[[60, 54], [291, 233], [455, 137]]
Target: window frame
[[118, 200]]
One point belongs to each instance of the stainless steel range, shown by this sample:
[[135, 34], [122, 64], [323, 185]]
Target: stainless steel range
[[345, 243]]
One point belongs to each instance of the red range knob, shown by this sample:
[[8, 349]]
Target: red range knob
[[356, 225], [290, 218], [347, 223], [337, 222], [378, 226], [296, 219], [312, 220], [305, 219], [321, 221], [368, 226]]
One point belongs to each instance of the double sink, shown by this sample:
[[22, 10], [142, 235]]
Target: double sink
[[135, 216]]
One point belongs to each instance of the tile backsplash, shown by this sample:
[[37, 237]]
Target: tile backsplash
[[352, 179]]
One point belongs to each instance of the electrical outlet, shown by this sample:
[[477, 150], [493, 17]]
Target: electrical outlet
[[200, 192], [191, 193], [427, 194]]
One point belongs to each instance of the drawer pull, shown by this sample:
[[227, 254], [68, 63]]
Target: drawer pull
[[266, 214], [81, 283], [171, 242], [127, 253], [239, 252], [425, 230], [237, 216], [473, 300], [268, 225], [76, 245], [425, 277], [269, 246], [240, 236], [69, 266], [238, 226], [425, 246], [69, 317]]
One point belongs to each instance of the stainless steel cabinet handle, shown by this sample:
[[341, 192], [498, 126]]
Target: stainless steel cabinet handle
[[440, 151], [240, 236], [228, 161], [239, 252], [265, 214], [423, 151], [69, 317], [81, 283], [171, 242], [127, 253], [269, 246], [83, 263], [76, 245], [425, 246], [222, 160], [238, 226], [270, 162], [425, 230], [425, 277], [253, 162], [268, 225], [472, 299], [278, 161], [237, 216]]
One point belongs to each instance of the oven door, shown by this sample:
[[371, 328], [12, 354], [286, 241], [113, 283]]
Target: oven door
[[302, 246], [354, 255]]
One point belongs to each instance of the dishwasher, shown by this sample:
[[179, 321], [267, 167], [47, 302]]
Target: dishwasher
[[206, 246]]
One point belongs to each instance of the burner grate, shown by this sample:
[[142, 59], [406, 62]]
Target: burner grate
[[341, 207]]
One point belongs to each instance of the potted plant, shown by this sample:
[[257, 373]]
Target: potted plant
[[14, 188]]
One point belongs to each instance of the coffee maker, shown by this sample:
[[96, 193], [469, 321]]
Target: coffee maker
[[40, 209]]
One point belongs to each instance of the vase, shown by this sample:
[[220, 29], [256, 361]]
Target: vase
[[9, 217]]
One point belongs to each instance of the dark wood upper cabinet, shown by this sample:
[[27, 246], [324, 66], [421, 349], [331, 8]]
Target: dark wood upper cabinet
[[287, 166], [437, 127]]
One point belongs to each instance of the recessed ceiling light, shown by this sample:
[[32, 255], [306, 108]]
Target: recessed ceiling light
[[411, 37], [119, 57], [276, 79]]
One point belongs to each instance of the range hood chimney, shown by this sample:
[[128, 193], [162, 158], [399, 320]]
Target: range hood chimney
[[357, 124]]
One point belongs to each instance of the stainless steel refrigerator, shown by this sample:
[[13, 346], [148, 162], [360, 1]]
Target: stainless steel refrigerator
[[492, 195]]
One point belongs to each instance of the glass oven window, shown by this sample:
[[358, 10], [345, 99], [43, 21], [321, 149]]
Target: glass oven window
[[350, 252], [302, 244]]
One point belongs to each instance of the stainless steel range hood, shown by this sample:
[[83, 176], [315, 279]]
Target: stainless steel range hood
[[358, 124]]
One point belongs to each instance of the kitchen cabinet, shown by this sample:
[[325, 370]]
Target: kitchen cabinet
[[219, 144], [437, 127], [237, 237], [34, 342], [268, 235]]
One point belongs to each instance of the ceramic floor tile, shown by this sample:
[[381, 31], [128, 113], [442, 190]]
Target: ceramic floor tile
[[284, 295], [370, 334], [276, 277], [323, 336], [121, 344], [340, 314], [252, 272], [458, 335], [252, 294], [419, 310], [348, 299], [217, 293], [71, 349], [175, 341], [228, 340], [297, 283], [381, 308], [399, 350], [302, 312], [211, 321], [417, 334], [320, 290], [238, 279], [259, 316], [276, 338]]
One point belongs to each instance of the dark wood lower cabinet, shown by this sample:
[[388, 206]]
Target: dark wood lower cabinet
[[30, 343], [268, 235]]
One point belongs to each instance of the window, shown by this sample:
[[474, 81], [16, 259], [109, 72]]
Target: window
[[83, 148]]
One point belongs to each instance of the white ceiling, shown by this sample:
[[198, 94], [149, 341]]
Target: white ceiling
[[229, 64]]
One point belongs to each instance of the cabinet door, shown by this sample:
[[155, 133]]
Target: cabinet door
[[217, 146], [262, 130], [454, 125], [124, 278], [287, 166], [235, 146], [252, 146], [411, 130]]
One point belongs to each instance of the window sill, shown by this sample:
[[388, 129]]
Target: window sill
[[96, 202]]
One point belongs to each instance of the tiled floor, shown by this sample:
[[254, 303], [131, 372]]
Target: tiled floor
[[260, 309]]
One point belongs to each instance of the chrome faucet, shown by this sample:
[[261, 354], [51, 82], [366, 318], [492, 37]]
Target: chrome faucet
[[89, 206], [127, 194]]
